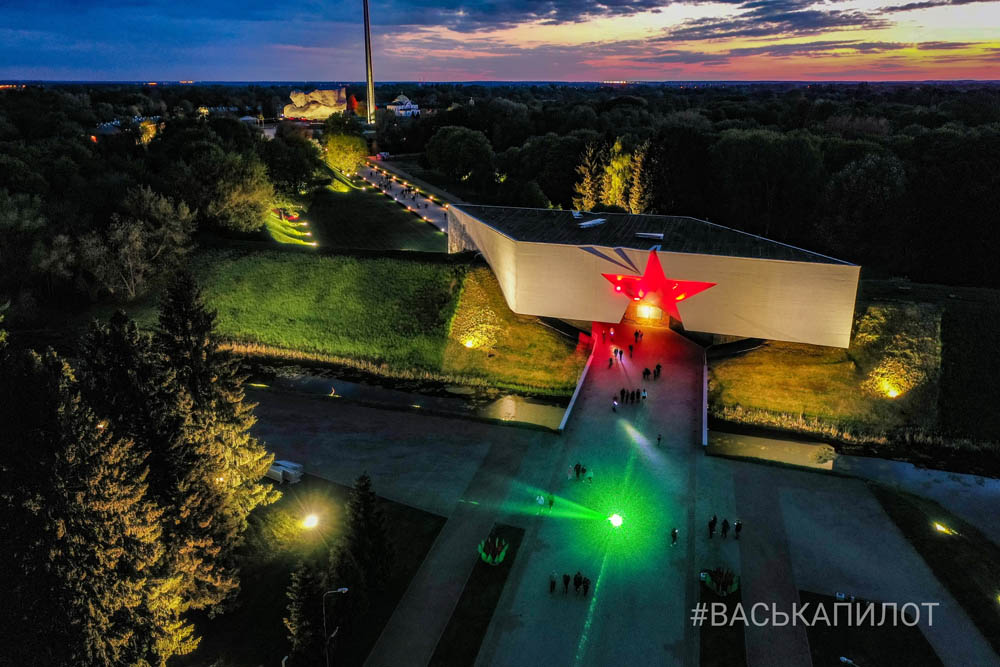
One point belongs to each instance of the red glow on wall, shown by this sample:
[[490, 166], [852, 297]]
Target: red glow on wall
[[655, 288]]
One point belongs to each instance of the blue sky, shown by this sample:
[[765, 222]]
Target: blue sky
[[501, 39]]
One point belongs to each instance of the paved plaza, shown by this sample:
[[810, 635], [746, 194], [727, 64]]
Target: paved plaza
[[802, 530]]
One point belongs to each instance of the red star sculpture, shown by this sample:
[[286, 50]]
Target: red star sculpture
[[655, 288]]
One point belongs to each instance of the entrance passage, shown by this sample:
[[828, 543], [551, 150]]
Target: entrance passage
[[647, 312]]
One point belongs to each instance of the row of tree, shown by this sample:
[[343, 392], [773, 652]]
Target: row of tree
[[129, 476]]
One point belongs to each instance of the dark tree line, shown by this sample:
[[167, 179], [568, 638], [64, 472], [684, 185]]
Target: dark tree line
[[904, 179], [130, 474]]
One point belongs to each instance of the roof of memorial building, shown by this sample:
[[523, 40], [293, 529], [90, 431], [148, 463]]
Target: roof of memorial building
[[642, 232]]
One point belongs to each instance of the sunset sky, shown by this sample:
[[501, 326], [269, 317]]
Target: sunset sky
[[461, 40]]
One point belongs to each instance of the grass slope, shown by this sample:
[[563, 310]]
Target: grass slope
[[346, 217], [486, 339], [396, 318], [887, 379]]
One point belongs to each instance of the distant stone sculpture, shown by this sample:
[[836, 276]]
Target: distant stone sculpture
[[317, 105]]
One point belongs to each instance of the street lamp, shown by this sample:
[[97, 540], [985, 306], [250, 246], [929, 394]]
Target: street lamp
[[327, 637]]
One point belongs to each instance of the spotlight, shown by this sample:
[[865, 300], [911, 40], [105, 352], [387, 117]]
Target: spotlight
[[311, 521], [616, 520]]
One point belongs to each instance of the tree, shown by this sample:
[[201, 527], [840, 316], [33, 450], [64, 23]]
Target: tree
[[344, 152], [366, 537], [221, 464], [305, 613], [80, 532], [616, 176], [127, 381], [291, 161], [463, 155], [639, 194], [588, 188], [242, 194], [168, 224], [118, 259]]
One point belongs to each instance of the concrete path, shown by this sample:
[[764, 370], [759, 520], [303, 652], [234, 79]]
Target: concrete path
[[767, 575], [394, 167], [432, 211], [641, 586], [422, 614]]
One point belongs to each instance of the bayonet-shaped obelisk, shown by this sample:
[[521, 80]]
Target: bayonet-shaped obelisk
[[370, 102]]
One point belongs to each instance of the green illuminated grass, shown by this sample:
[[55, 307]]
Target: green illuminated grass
[[285, 231], [384, 316], [345, 217]]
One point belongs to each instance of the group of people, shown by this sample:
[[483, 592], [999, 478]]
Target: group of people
[[724, 531], [581, 584], [655, 372], [406, 191], [581, 472]]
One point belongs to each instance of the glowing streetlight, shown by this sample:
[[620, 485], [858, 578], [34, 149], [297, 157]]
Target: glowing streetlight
[[616, 520], [311, 521]]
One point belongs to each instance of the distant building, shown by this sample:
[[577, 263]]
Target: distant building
[[403, 106]]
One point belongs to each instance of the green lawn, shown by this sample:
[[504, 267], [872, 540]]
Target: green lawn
[[344, 217], [252, 632], [888, 377], [392, 317], [964, 560]]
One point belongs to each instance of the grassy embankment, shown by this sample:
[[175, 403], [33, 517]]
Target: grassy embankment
[[913, 382], [252, 632], [395, 318], [342, 216]]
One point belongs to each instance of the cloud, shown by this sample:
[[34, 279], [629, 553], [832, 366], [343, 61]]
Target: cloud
[[938, 46], [775, 19], [927, 4]]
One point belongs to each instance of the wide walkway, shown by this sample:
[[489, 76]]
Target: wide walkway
[[635, 611], [434, 212]]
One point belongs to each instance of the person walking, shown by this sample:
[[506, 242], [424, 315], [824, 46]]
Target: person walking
[[583, 471], [644, 394], [622, 394], [659, 369], [611, 362], [552, 501], [737, 527], [569, 473], [565, 584], [577, 469], [636, 335], [586, 586], [645, 373], [630, 350], [673, 537], [725, 528], [641, 334], [631, 396], [659, 437], [711, 526], [590, 476], [552, 582], [614, 404], [577, 581]]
